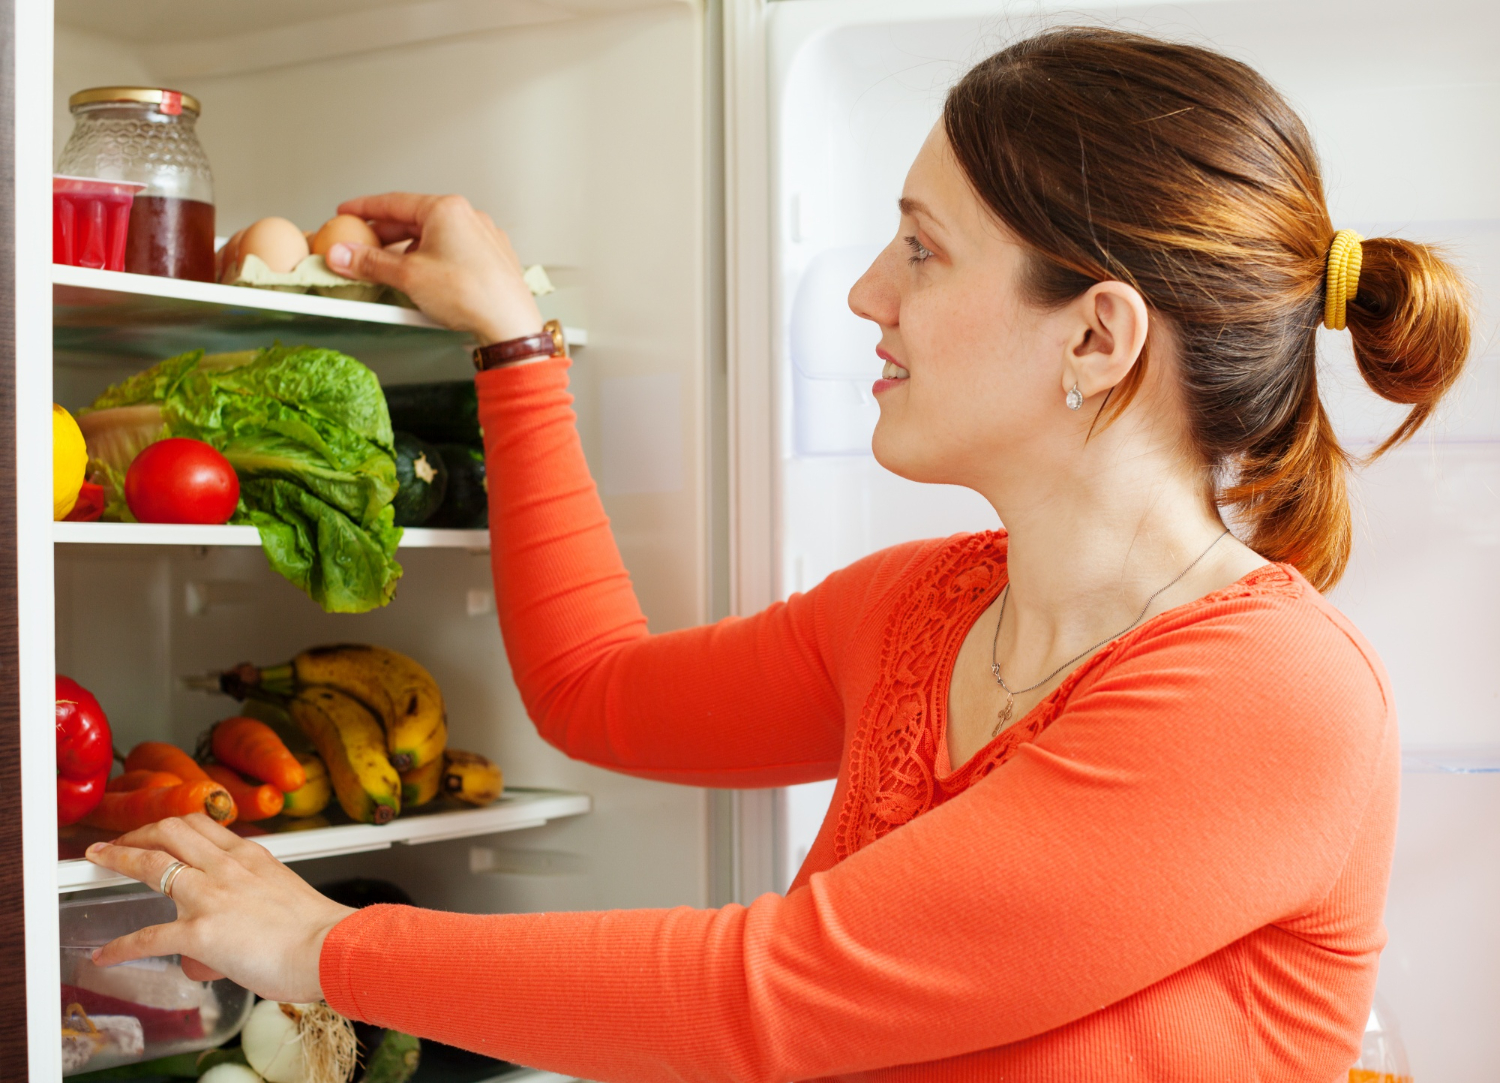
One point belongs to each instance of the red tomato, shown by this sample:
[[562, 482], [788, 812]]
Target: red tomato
[[181, 481]]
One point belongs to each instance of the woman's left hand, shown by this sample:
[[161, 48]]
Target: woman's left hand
[[241, 914]]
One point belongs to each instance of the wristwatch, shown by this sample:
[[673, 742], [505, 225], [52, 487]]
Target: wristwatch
[[548, 342]]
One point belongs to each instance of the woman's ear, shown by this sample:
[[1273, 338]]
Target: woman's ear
[[1113, 320]]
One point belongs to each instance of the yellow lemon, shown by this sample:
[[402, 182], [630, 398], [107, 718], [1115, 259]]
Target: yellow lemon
[[70, 459]]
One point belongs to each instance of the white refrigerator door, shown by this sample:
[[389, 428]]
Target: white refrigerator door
[[1404, 102]]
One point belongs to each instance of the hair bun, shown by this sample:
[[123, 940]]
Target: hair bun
[[1409, 322]]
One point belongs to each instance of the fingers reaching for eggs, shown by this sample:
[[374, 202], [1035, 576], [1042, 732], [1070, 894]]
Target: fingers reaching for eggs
[[282, 246], [343, 229], [449, 258], [395, 232], [409, 209], [368, 263]]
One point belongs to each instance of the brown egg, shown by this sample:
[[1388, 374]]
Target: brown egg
[[342, 229], [279, 244], [228, 256]]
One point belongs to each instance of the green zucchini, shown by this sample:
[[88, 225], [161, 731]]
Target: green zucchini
[[466, 507], [443, 412], [423, 480], [394, 1060]]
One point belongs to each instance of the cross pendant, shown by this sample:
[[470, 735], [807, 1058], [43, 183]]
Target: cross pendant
[[1005, 713]]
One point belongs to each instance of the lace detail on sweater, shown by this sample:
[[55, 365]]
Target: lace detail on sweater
[[891, 757], [892, 774]]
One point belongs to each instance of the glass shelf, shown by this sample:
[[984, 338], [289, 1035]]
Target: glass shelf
[[413, 537], [295, 841], [101, 318]]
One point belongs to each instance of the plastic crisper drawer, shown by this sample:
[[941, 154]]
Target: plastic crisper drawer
[[139, 1010]]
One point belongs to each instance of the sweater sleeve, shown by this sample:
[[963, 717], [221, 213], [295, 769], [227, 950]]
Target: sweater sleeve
[[1184, 800], [741, 703]]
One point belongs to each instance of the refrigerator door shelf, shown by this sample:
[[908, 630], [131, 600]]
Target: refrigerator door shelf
[[833, 357], [1454, 760]]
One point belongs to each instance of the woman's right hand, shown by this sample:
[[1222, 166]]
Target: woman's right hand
[[459, 269], [240, 913]]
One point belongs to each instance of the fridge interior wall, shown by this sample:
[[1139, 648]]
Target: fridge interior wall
[[1404, 103], [583, 138]]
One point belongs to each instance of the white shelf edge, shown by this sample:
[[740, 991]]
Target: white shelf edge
[[517, 810], [1450, 759], [243, 297], [414, 537], [213, 293]]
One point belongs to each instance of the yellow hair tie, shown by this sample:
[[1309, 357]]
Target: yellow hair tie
[[1344, 258]]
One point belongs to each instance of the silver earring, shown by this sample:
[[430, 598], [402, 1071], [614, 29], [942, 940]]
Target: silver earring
[[1075, 398]]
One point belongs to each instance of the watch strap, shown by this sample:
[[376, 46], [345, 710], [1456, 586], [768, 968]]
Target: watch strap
[[548, 342]]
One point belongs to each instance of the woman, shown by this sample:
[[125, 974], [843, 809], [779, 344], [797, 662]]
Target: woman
[[1116, 789]]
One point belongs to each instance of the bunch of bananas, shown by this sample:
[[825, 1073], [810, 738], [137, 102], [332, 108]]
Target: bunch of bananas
[[377, 721]]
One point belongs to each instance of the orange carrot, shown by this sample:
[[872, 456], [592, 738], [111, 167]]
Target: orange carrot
[[160, 756], [252, 748], [122, 812], [142, 780], [254, 802]]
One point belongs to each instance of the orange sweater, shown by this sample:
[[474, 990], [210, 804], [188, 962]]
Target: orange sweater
[[1172, 869]]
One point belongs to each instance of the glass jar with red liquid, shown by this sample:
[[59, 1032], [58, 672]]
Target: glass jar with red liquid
[[147, 135]]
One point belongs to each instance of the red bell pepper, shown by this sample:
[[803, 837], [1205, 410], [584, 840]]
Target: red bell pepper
[[89, 506], [85, 751]]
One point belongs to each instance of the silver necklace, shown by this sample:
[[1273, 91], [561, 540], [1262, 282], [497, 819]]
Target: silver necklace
[[1011, 693]]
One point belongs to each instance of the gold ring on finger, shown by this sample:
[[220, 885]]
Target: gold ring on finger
[[169, 877]]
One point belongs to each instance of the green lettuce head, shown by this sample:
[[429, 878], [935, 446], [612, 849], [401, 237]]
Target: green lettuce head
[[308, 433]]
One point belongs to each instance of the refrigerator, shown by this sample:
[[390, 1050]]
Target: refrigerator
[[702, 181]]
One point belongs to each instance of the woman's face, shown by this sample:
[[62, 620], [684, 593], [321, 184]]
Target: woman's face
[[975, 376]]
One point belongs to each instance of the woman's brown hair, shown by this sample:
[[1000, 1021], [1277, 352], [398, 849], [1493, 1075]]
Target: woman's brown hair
[[1186, 175]]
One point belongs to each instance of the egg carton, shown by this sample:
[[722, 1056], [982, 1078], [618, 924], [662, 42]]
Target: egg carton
[[312, 275]]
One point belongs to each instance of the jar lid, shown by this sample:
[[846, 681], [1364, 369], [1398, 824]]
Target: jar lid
[[171, 101]]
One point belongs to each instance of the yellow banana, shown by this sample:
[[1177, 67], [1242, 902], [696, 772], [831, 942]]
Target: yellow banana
[[471, 778], [421, 784], [315, 793], [352, 746], [399, 690], [308, 823]]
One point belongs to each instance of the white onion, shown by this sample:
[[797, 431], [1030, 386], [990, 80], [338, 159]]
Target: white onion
[[229, 1073], [273, 1044]]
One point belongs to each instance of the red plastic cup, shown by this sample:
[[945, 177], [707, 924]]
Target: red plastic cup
[[90, 221]]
